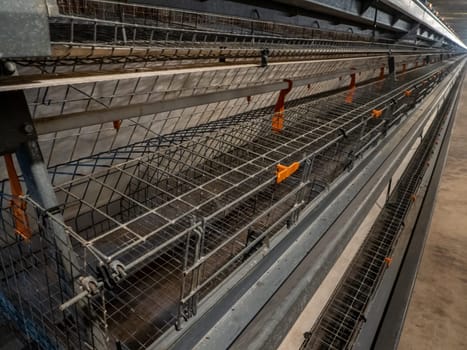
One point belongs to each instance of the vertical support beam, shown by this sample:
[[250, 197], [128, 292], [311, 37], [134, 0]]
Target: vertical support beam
[[278, 117], [38, 183], [19, 135], [375, 19], [404, 67], [190, 281], [15, 119], [427, 60], [40, 189], [300, 197], [39, 186]]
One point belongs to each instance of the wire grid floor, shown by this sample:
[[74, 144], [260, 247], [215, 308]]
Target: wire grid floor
[[143, 211], [33, 284], [227, 179]]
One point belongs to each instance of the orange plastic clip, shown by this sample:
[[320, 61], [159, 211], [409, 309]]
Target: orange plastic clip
[[278, 117], [353, 81], [284, 171], [278, 121], [408, 93], [117, 124], [17, 204], [350, 96], [377, 113], [352, 87], [381, 73]]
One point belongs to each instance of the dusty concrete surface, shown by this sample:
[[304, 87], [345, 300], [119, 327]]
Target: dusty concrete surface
[[437, 316]]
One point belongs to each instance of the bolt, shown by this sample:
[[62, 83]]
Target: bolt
[[8, 68], [265, 57], [28, 129]]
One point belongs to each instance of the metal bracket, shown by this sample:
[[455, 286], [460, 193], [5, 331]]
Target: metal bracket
[[25, 28], [188, 307], [366, 5], [265, 57], [15, 118]]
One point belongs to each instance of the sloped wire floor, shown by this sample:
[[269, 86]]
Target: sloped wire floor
[[226, 179], [145, 212]]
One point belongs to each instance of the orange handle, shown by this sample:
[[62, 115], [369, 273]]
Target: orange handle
[[279, 108], [19, 205], [284, 171], [117, 124], [377, 113], [278, 121]]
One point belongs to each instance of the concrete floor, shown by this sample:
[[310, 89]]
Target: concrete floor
[[438, 311]]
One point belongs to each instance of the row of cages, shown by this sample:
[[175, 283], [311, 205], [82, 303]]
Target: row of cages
[[137, 244], [145, 15], [93, 32], [341, 320], [50, 104]]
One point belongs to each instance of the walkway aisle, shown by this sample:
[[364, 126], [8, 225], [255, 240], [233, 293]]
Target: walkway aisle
[[437, 316]]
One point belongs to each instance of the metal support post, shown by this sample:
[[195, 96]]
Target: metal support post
[[40, 190], [301, 195], [18, 135], [188, 307]]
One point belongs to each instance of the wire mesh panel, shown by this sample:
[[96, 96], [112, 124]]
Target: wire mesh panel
[[94, 35], [158, 210], [173, 18], [75, 100], [53, 102], [344, 315], [68, 83], [37, 277], [157, 225]]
